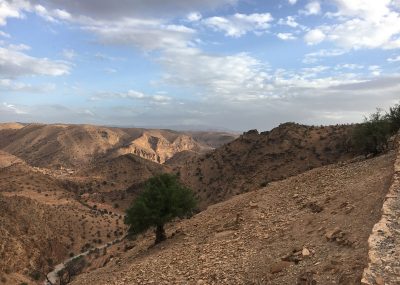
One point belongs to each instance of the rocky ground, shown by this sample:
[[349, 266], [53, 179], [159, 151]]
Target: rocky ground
[[73, 146], [255, 159], [308, 228], [384, 241]]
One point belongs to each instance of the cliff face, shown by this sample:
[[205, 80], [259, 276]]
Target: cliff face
[[157, 148]]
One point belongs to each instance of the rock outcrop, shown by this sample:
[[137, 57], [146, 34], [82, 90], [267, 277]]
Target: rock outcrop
[[157, 148], [384, 241]]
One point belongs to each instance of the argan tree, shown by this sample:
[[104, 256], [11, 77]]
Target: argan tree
[[162, 199]]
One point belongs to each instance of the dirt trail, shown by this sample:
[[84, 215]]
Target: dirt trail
[[52, 277]]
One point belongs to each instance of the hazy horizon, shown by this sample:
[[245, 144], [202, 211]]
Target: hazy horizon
[[224, 64]]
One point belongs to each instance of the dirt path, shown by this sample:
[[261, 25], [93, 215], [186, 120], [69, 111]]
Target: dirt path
[[53, 275]]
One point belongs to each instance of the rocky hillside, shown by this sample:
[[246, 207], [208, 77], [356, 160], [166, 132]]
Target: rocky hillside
[[74, 146], [155, 147], [42, 222], [308, 228], [113, 182], [255, 159]]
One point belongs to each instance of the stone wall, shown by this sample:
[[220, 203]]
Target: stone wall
[[384, 241]]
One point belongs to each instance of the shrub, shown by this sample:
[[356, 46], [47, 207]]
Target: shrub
[[71, 269], [163, 199], [35, 275], [393, 117], [372, 135]]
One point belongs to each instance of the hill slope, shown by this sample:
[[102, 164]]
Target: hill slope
[[254, 159], [313, 226], [42, 222], [74, 146]]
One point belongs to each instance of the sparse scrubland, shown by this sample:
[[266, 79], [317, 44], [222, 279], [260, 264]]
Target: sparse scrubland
[[293, 205]]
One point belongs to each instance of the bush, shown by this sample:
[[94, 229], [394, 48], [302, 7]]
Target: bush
[[72, 268], [36, 275], [163, 199], [372, 135], [393, 117]]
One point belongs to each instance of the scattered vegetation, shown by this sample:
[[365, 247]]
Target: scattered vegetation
[[163, 199], [71, 269], [373, 134]]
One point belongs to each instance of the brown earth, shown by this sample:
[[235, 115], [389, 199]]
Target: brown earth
[[11, 126], [313, 226], [253, 160], [42, 223], [72, 146]]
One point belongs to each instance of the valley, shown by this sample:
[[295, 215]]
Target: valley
[[295, 203]]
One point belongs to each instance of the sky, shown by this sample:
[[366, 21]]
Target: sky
[[211, 64]]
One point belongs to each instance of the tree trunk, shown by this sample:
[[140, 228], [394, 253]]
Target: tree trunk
[[160, 234]]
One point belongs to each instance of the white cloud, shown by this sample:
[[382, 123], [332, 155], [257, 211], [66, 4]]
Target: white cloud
[[394, 59], [312, 8], [68, 54], [19, 47], [315, 56], [364, 24], [147, 35], [11, 108], [10, 10], [110, 70], [123, 9], [286, 36], [16, 9], [194, 17], [375, 70], [292, 2], [14, 63], [314, 36], [238, 24], [358, 33], [133, 95], [15, 86], [5, 35], [233, 77], [289, 21], [351, 66], [370, 10]]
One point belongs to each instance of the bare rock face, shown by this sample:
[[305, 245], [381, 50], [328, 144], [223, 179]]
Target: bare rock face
[[384, 241], [157, 148], [76, 146]]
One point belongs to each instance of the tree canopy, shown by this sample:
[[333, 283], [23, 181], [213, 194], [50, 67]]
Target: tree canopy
[[162, 199]]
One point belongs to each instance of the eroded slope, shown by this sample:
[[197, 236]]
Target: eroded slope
[[313, 226]]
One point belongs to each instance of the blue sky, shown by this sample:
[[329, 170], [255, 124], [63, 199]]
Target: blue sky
[[216, 64]]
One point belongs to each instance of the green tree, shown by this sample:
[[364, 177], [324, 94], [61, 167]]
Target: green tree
[[162, 199], [372, 135], [394, 118]]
